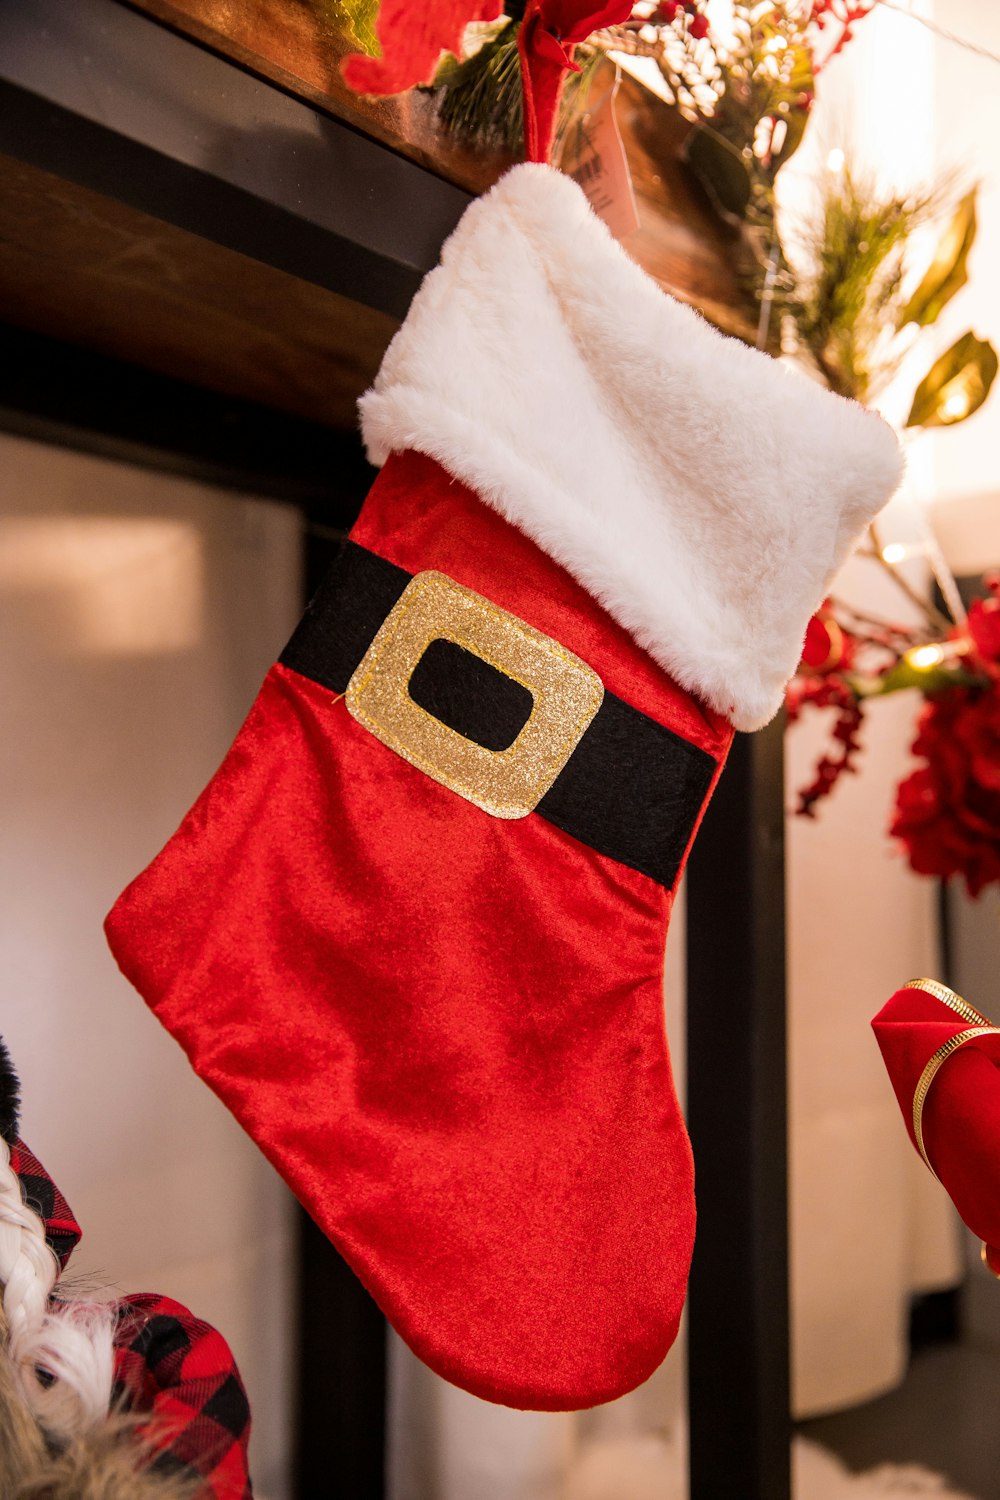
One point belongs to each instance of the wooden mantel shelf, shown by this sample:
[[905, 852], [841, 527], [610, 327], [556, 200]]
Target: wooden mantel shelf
[[298, 45], [187, 186]]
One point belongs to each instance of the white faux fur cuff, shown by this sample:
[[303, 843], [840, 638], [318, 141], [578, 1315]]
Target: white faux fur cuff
[[700, 490]]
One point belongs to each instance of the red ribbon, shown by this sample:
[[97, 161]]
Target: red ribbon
[[549, 35]]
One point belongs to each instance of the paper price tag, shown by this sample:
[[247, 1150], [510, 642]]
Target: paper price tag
[[600, 166]]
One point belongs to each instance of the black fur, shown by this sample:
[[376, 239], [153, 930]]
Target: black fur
[[10, 1097]]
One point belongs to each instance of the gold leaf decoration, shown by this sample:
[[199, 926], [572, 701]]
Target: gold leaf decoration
[[956, 385], [947, 272]]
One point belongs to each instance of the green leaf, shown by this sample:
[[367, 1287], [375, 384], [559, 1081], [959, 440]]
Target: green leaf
[[956, 385], [947, 272], [928, 679], [720, 169], [796, 121]]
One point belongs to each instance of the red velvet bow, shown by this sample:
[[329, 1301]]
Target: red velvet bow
[[943, 1058], [414, 36]]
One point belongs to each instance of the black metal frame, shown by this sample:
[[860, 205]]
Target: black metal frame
[[106, 98], [738, 1361]]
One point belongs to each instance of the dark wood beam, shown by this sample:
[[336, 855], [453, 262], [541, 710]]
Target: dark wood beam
[[109, 99], [54, 393]]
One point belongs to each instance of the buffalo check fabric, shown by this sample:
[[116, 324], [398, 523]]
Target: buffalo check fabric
[[180, 1369], [62, 1232]]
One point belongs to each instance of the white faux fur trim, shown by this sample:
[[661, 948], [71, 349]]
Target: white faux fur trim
[[701, 491]]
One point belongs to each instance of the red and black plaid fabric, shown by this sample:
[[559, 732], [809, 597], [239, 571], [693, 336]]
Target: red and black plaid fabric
[[167, 1363], [178, 1369], [40, 1193]]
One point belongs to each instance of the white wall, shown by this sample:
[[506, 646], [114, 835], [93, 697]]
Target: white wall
[[138, 613]]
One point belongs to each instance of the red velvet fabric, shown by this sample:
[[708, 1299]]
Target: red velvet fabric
[[546, 42], [443, 1028], [961, 1115]]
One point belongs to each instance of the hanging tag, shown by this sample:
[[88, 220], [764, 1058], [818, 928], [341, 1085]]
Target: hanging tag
[[601, 168]]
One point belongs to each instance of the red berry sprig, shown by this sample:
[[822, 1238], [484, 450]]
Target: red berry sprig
[[668, 11], [827, 692], [842, 13]]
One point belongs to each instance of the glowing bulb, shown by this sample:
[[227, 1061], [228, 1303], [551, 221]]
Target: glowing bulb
[[835, 161], [894, 552], [923, 657], [957, 406]]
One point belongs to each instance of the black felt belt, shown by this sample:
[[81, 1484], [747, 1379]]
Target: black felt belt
[[632, 789]]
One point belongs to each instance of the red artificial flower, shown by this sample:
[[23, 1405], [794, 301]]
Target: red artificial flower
[[948, 810], [828, 647], [412, 38]]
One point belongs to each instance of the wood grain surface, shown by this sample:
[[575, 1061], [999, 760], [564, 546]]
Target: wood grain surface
[[297, 44], [76, 266]]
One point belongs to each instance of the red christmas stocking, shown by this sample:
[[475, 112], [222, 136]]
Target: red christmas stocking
[[943, 1058], [412, 933]]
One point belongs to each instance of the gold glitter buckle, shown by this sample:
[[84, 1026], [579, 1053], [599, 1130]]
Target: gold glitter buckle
[[566, 695]]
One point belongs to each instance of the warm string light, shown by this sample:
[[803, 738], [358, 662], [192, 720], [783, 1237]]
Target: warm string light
[[891, 554], [957, 406], [896, 552], [926, 658]]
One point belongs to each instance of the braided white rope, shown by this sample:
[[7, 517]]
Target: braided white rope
[[61, 1351]]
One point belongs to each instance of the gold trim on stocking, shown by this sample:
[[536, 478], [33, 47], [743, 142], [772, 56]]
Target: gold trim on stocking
[[566, 695]]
